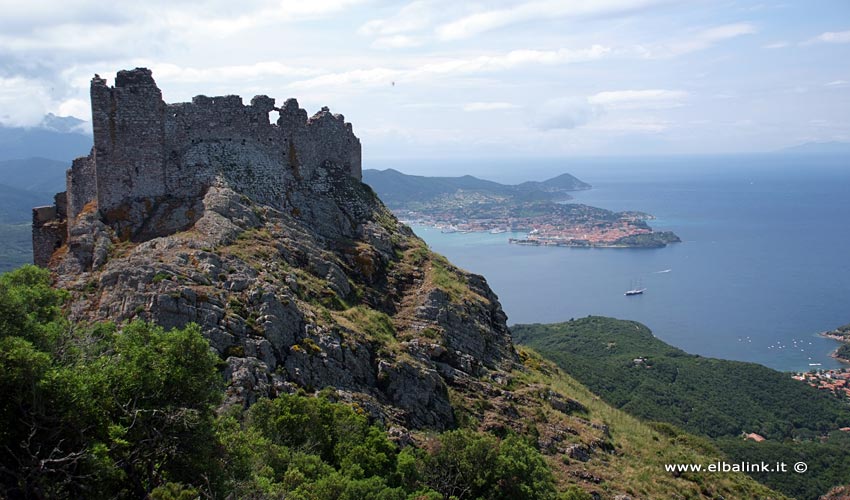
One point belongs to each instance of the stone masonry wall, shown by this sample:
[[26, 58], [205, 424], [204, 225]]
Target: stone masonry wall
[[81, 184], [129, 138], [148, 154], [48, 234]]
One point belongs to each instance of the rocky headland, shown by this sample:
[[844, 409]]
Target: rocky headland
[[841, 334]]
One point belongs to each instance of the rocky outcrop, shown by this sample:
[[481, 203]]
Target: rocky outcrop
[[327, 296], [296, 273]]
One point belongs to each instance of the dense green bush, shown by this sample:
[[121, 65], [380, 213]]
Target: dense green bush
[[465, 464], [108, 412], [316, 449], [97, 413], [828, 462], [843, 352]]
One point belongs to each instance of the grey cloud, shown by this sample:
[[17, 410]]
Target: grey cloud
[[565, 113]]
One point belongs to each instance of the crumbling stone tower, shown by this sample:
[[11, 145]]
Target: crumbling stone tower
[[151, 159]]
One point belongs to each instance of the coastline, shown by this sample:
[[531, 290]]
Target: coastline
[[838, 338], [583, 244], [647, 240], [834, 355]]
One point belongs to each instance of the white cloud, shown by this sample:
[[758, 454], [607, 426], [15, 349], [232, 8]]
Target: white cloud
[[776, 45], [488, 106], [632, 125], [396, 42], [23, 101], [49, 51], [258, 70], [604, 111], [457, 66], [639, 99], [831, 37], [699, 40], [515, 58], [565, 113], [75, 107], [362, 77], [481, 22], [80, 39], [412, 17], [22, 16], [225, 20], [96, 30]]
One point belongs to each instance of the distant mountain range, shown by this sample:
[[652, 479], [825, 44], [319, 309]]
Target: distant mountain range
[[39, 175], [24, 184], [56, 137], [832, 147], [15, 233], [16, 204], [397, 189]]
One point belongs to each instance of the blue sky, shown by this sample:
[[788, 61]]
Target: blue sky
[[464, 79]]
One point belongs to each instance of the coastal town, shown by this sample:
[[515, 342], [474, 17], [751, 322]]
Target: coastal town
[[836, 381], [534, 213], [546, 224]]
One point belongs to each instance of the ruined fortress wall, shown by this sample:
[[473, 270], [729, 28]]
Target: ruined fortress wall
[[48, 233], [81, 185], [215, 139], [146, 151], [145, 148], [129, 138]]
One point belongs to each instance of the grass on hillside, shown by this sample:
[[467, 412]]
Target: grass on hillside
[[642, 450], [632, 370]]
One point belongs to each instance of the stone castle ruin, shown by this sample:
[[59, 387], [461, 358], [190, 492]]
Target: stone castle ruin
[[151, 159]]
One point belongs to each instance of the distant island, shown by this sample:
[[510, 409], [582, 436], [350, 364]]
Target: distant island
[[538, 209], [841, 334]]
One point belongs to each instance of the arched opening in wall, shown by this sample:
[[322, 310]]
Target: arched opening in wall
[[272, 117]]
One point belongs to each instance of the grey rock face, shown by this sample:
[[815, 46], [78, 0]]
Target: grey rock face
[[249, 381], [265, 237], [318, 297]]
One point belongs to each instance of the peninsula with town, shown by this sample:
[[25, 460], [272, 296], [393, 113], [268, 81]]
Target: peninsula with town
[[541, 210]]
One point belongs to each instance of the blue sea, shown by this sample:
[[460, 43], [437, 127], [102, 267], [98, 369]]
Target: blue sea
[[763, 267]]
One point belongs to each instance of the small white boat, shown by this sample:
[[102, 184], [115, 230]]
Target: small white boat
[[636, 289]]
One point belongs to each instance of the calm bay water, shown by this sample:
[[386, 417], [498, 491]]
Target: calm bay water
[[764, 264]]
